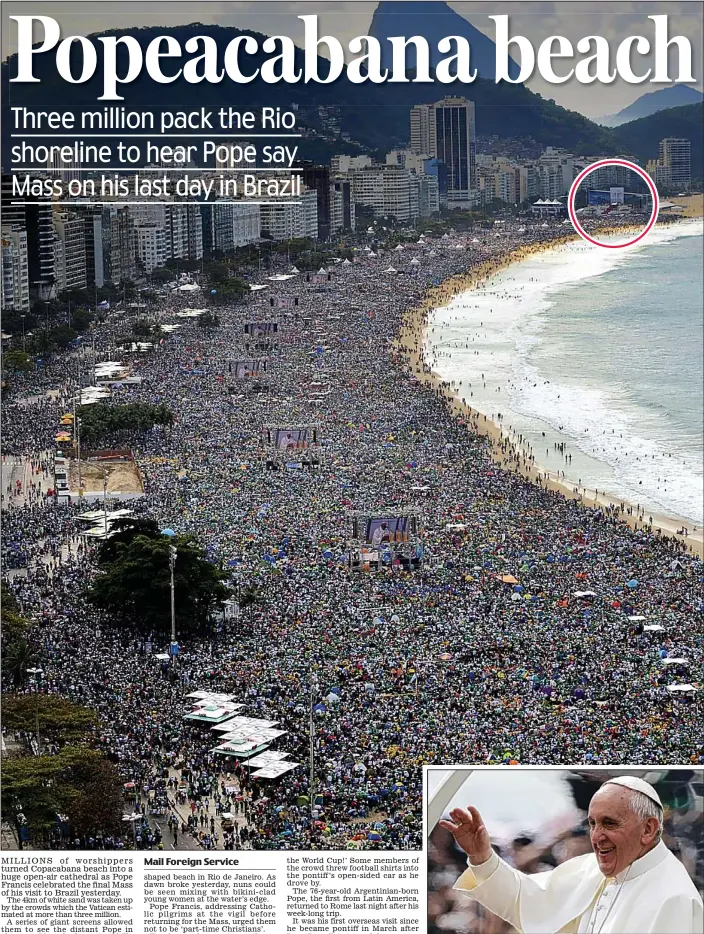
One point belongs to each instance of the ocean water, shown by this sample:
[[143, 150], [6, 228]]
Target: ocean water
[[599, 350]]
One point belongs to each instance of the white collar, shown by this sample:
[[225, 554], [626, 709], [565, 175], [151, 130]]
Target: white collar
[[649, 861]]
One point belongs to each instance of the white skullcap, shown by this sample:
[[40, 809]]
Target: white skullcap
[[636, 784]]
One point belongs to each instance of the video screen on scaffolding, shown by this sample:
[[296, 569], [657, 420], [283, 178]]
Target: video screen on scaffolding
[[383, 530], [247, 368], [292, 439], [257, 329]]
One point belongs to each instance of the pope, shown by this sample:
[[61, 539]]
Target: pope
[[630, 884]]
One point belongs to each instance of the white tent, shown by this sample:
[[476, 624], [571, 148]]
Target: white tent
[[346, 262], [415, 261], [257, 288], [675, 661], [685, 688], [275, 770], [391, 269], [268, 757], [656, 627], [189, 287]]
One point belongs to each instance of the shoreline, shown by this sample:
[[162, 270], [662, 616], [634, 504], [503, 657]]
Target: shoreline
[[507, 454]]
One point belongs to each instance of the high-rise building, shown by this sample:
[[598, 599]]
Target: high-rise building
[[118, 240], [228, 225], [428, 195], [422, 136], [93, 229], [676, 158], [150, 246], [388, 189], [15, 275], [70, 251], [36, 220], [291, 221], [65, 169], [454, 132], [176, 222], [342, 211], [317, 178], [341, 165], [194, 222]]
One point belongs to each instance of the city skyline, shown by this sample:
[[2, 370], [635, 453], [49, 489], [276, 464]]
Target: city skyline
[[346, 20]]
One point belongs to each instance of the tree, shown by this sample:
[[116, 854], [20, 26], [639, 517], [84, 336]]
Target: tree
[[59, 719], [81, 319], [62, 336], [102, 420], [17, 651], [135, 584], [142, 328], [123, 532], [208, 320], [15, 361], [16, 659], [229, 291], [77, 782], [161, 275]]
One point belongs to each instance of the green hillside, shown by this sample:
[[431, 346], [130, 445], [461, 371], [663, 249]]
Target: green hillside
[[641, 137]]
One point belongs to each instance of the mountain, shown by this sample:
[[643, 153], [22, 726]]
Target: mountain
[[676, 96], [641, 137], [376, 115], [432, 19]]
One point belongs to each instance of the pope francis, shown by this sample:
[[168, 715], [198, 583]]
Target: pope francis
[[630, 884]]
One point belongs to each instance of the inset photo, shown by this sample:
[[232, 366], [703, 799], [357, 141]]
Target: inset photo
[[565, 851]]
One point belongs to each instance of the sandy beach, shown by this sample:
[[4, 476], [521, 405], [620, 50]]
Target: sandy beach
[[507, 454], [693, 205]]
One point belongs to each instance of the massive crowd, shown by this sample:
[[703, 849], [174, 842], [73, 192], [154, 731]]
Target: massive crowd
[[447, 663]]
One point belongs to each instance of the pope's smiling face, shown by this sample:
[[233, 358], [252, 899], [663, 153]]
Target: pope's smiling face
[[617, 834]]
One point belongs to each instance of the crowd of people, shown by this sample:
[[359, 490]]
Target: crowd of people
[[442, 661]]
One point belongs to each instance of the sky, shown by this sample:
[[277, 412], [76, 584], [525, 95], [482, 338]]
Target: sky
[[346, 19]]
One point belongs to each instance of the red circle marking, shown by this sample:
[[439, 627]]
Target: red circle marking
[[597, 165]]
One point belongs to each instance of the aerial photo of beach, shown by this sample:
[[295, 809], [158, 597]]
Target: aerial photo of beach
[[299, 498]]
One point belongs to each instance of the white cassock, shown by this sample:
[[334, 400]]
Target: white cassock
[[653, 896]]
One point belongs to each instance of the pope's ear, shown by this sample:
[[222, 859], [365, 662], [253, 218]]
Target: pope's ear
[[650, 830]]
